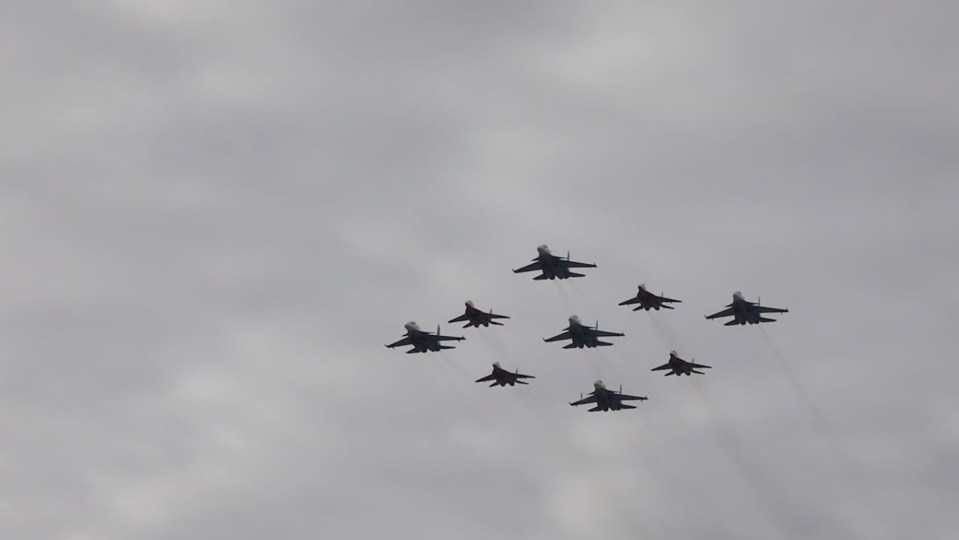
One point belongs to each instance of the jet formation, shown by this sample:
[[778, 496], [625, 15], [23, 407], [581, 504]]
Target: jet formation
[[607, 400], [553, 267], [678, 366], [476, 317], [580, 335], [501, 377], [648, 301], [745, 312], [423, 341]]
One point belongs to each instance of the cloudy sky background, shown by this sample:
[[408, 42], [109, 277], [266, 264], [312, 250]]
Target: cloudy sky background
[[214, 214]]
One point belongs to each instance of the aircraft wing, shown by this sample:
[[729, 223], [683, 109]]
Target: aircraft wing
[[487, 378], [448, 338], [495, 316], [529, 267], [724, 313], [521, 376], [696, 366], [664, 299], [574, 264], [630, 301], [461, 318], [403, 342], [565, 335], [624, 397], [764, 309], [662, 367], [584, 401], [603, 333]]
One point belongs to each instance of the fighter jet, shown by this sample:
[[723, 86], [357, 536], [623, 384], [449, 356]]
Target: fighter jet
[[648, 300], [606, 400], [553, 267], [745, 311], [423, 341], [501, 377], [477, 317], [582, 335], [678, 366]]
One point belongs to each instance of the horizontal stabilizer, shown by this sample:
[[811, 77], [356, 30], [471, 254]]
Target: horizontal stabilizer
[[596, 408], [602, 344], [732, 323], [539, 277], [627, 406], [570, 346], [767, 319], [574, 274]]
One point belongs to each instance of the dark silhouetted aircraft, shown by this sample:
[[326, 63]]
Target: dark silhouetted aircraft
[[501, 377], [648, 300], [553, 267], [582, 335], [745, 311], [477, 317], [423, 341], [606, 400], [678, 366]]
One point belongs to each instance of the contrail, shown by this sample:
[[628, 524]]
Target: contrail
[[770, 495], [494, 343], [666, 333], [612, 365], [592, 365], [583, 297], [822, 425], [569, 301]]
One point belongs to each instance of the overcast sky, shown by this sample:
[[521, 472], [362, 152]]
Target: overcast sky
[[213, 215]]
